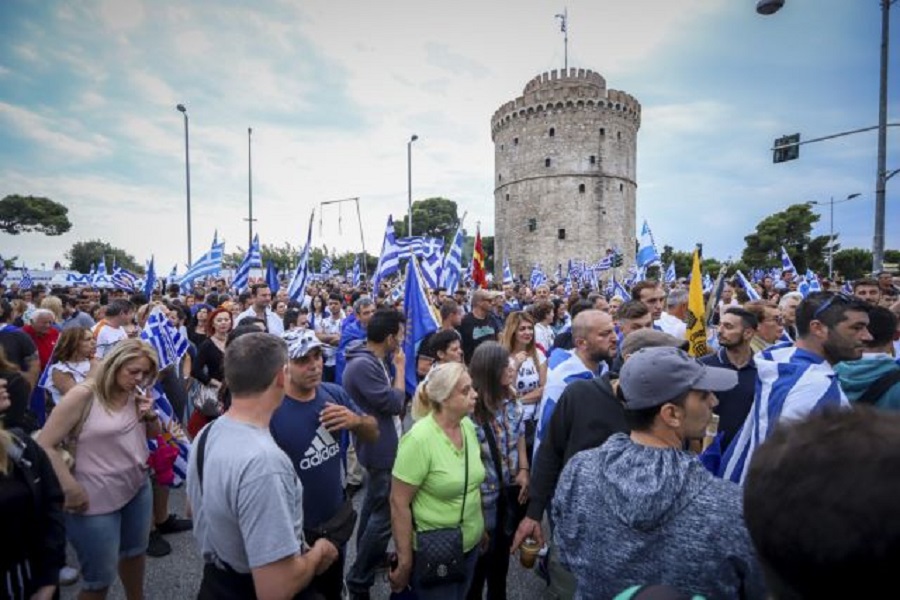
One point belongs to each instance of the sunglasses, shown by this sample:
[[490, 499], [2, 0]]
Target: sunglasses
[[839, 296]]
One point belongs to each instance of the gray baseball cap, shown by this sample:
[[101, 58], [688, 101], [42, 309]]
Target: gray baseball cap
[[301, 342], [653, 376]]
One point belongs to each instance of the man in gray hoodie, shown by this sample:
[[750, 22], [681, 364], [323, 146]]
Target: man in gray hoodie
[[639, 509]]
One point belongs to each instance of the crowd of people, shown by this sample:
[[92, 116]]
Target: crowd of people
[[573, 430]]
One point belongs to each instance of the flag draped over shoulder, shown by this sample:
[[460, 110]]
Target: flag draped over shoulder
[[563, 367], [297, 287], [696, 328], [420, 320], [478, 274]]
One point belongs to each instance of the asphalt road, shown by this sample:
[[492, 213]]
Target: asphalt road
[[177, 576]]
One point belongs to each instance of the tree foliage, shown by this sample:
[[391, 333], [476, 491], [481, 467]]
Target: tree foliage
[[790, 228], [852, 263], [432, 217], [285, 257], [23, 214], [83, 255]]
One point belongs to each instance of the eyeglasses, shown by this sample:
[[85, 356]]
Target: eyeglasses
[[844, 298], [775, 319]]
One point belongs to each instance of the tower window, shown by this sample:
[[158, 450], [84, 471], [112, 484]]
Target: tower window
[[602, 132], [621, 187], [580, 188], [515, 141], [560, 234], [546, 162], [499, 177], [502, 146], [507, 197], [618, 135], [593, 159], [532, 224], [552, 132]]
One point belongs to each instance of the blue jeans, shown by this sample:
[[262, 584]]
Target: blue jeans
[[451, 591], [374, 531], [100, 541]]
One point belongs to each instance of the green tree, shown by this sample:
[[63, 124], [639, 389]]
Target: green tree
[[83, 255], [22, 214], [432, 217], [852, 263], [790, 228], [892, 256]]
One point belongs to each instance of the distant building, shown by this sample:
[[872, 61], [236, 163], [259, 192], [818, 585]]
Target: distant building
[[565, 184]]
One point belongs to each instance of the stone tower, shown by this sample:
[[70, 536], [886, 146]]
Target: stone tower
[[564, 156]]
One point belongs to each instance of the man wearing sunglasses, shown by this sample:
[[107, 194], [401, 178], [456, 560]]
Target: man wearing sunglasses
[[794, 381]]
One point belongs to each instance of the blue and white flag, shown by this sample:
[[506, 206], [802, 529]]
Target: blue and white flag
[[326, 265], [813, 280], [357, 275], [252, 260], [26, 282], [208, 265], [786, 264], [618, 290], [389, 260], [123, 279], [707, 283], [507, 273], [150, 280], [2, 269], [172, 433], [847, 288], [647, 254], [537, 276], [297, 286], [451, 272], [752, 294], [173, 274], [670, 276], [420, 320], [272, 277], [165, 338], [792, 383], [432, 259]]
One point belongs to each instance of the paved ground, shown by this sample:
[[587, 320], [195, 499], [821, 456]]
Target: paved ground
[[177, 576]]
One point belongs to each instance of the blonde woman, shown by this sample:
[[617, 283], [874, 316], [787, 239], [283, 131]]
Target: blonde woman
[[107, 495], [436, 479]]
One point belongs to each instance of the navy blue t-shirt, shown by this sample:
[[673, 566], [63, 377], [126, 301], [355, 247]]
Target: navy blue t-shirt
[[314, 452]]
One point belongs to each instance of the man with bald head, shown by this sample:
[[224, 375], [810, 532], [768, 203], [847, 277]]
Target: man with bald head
[[479, 325]]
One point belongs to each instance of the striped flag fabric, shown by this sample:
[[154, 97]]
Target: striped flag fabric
[[272, 277], [252, 260], [389, 260], [207, 265], [563, 367], [507, 273], [791, 384], [26, 282], [696, 318], [537, 276], [647, 254], [2, 269], [420, 320], [297, 286], [123, 279], [150, 280], [357, 274], [479, 276], [617, 289], [451, 271], [670, 276], [165, 338], [326, 265], [431, 261], [786, 263], [752, 294], [172, 434]]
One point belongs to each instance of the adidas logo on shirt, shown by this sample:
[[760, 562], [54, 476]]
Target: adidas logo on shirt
[[322, 448]]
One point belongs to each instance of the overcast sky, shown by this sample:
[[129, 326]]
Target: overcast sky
[[333, 90]]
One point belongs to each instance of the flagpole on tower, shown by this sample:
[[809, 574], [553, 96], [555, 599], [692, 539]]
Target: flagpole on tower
[[564, 28]]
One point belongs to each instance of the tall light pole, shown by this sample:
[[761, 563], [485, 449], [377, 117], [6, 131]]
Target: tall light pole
[[250, 218], [412, 138], [187, 177], [768, 7], [831, 204]]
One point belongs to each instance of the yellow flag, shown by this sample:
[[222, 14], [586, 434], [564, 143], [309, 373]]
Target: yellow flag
[[696, 328]]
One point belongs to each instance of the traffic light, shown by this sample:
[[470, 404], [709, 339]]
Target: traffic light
[[786, 148]]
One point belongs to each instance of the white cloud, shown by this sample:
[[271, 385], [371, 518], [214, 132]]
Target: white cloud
[[77, 143]]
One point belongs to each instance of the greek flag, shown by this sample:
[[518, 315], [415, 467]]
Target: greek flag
[[272, 277], [507, 273], [2, 269], [420, 320], [813, 281], [670, 276], [537, 277], [563, 367], [389, 261], [576, 271], [26, 282], [451, 272], [207, 265], [752, 294], [618, 290], [647, 254], [432, 257], [357, 275], [791, 384], [100, 278], [253, 260], [123, 279], [847, 288], [150, 280], [173, 274], [297, 287], [786, 264], [326, 265], [165, 338], [567, 289], [707, 283], [172, 433]]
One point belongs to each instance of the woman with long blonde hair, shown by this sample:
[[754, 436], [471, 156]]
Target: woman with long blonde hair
[[107, 494]]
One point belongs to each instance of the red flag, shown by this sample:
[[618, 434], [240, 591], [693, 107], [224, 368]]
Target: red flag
[[478, 274]]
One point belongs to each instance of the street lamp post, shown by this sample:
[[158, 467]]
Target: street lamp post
[[412, 138], [187, 177], [250, 183], [768, 7], [831, 204]]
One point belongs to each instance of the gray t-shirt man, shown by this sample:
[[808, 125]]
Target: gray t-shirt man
[[249, 513]]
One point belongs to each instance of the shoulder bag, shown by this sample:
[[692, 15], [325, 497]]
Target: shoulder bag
[[440, 557]]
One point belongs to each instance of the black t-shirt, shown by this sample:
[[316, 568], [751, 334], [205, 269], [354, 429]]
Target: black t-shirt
[[474, 331], [18, 346]]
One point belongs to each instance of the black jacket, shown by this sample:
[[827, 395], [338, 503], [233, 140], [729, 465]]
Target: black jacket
[[586, 414]]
